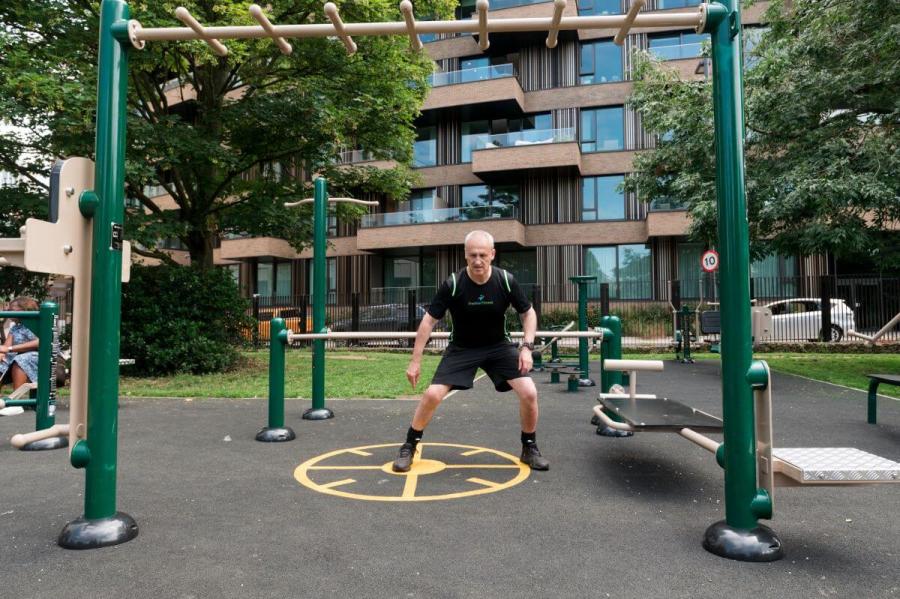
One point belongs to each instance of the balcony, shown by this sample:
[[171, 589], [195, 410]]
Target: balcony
[[526, 150], [439, 226], [363, 158], [493, 84]]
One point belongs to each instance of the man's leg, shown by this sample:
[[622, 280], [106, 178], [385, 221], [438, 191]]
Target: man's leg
[[431, 399], [528, 414]]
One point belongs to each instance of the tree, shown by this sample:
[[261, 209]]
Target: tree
[[229, 139], [823, 143]]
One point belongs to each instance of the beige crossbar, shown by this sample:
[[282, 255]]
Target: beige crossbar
[[873, 339], [481, 6], [331, 11], [183, 15], [257, 13], [636, 6], [406, 8], [552, 36], [619, 426], [692, 19], [703, 441], [21, 440], [335, 200], [633, 366], [543, 347]]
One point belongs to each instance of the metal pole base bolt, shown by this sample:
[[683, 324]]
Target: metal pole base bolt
[[278, 434], [318, 414], [102, 532], [44, 444], [759, 544]]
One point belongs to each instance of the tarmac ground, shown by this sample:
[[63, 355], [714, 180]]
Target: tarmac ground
[[222, 515]]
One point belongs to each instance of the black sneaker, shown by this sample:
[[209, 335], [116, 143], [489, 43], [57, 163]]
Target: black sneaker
[[531, 455], [404, 458]]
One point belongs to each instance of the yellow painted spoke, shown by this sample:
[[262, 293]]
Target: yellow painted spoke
[[345, 468], [338, 483], [409, 489], [477, 466], [481, 481], [474, 452], [359, 452]]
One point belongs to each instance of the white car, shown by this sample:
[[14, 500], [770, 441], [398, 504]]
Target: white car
[[800, 319]]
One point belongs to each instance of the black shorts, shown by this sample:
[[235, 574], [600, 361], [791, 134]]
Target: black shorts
[[458, 366]]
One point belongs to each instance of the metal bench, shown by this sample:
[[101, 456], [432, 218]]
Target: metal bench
[[874, 381]]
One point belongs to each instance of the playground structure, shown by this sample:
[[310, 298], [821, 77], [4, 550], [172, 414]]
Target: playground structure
[[873, 338], [47, 434], [101, 204]]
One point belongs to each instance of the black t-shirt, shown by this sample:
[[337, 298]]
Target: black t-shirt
[[478, 311]]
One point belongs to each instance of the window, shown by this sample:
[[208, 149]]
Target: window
[[283, 279], [689, 271], [265, 279], [505, 132], [588, 8], [774, 276], [421, 205], [667, 4], [601, 198], [425, 149], [752, 36], [474, 134], [676, 46], [601, 62], [522, 265], [482, 201], [474, 69], [627, 269], [330, 278], [603, 129]]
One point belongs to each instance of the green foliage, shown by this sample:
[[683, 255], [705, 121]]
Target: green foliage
[[229, 139], [823, 142], [181, 319]]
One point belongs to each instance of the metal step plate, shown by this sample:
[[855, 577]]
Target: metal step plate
[[660, 415], [835, 464]]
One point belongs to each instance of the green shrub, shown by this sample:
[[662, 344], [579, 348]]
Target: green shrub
[[181, 319]]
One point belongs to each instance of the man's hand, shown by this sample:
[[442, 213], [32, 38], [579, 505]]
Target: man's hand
[[525, 360], [412, 373]]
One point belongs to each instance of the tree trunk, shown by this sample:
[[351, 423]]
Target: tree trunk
[[200, 242]]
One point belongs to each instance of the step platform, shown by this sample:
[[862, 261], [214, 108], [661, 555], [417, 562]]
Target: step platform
[[661, 415], [833, 466]]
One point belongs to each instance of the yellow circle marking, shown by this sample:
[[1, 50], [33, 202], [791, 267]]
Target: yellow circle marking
[[420, 467]]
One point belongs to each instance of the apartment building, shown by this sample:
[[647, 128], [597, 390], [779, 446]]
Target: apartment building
[[530, 144]]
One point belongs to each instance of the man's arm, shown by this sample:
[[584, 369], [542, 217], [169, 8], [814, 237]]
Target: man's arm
[[422, 335], [529, 328]]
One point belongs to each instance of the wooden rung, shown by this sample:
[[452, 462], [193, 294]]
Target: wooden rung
[[406, 8], [183, 15], [482, 6], [552, 36], [257, 13], [331, 11], [636, 6]]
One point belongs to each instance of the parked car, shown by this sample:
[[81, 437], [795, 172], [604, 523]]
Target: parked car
[[800, 319], [381, 317]]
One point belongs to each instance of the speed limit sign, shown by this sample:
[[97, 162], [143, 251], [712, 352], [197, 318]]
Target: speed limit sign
[[709, 261]]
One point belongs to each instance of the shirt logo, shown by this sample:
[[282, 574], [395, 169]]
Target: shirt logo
[[481, 301]]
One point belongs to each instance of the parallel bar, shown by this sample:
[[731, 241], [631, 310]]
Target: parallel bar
[[558, 7], [182, 14], [406, 8], [412, 335], [702, 440], [332, 200], [331, 11], [636, 5], [669, 20], [481, 6], [257, 13]]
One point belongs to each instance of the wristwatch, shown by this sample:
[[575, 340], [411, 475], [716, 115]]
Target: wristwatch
[[526, 344]]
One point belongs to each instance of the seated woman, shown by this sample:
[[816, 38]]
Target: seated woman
[[18, 351]]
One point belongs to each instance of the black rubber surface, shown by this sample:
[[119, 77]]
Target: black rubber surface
[[221, 514]]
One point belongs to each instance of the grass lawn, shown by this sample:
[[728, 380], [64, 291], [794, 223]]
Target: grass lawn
[[382, 375]]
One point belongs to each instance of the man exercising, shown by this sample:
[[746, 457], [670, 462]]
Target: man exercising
[[477, 298]]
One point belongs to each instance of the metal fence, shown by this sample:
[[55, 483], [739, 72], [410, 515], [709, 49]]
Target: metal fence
[[864, 304]]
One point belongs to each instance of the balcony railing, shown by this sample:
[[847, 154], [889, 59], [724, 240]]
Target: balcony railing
[[528, 137], [438, 215], [664, 204], [497, 71], [678, 51], [351, 156]]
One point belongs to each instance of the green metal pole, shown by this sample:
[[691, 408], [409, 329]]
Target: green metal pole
[[102, 525], [318, 411], [739, 536], [45, 409], [582, 282], [276, 431]]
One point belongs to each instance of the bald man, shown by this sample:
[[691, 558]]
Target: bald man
[[477, 298]]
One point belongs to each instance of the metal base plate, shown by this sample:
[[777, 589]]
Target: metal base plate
[[44, 444], [276, 435], [835, 465], [759, 544], [318, 414], [660, 415], [103, 532]]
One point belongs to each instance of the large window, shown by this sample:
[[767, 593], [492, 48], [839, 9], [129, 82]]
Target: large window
[[522, 265], [601, 198], [689, 271], [603, 129], [502, 132], [425, 150], [588, 8], [667, 4], [474, 134], [482, 201], [273, 279], [675, 46], [627, 269], [601, 62]]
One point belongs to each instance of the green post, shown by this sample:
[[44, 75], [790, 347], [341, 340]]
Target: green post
[[46, 383], [611, 348], [102, 525], [318, 411], [739, 536], [582, 283], [276, 431]]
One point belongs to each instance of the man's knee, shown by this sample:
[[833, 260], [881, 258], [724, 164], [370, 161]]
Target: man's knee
[[434, 395], [527, 392]]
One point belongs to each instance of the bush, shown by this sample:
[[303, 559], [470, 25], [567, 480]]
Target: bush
[[181, 319]]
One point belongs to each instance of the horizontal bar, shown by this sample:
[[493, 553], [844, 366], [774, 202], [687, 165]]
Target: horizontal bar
[[335, 200], [636, 365], [619, 426], [701, 440], [412, 335], [57, 430], [681, 19], [22, 403]]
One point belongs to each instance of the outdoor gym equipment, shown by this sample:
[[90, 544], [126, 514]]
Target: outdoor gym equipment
[[276, 431], [814, 466], [46, 435], [873, 339], [104, 204]]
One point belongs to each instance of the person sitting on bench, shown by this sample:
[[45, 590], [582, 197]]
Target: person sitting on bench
[[18, 352]]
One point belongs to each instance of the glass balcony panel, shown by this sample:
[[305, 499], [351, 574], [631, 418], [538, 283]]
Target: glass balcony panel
[[438, 215], [662, 204], [678, 51], [528, 137], [496, 71]]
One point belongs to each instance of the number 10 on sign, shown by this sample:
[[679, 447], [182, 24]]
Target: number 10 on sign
[[709, 261]]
